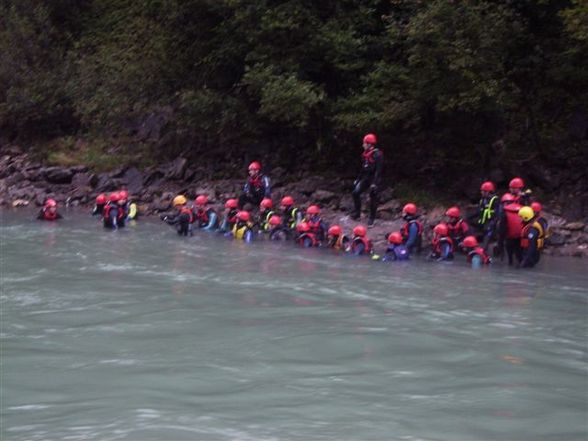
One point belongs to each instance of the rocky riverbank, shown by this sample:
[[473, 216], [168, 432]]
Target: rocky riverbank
[[23, 182]]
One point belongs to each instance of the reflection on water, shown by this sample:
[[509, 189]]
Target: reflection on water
[[141, 335]]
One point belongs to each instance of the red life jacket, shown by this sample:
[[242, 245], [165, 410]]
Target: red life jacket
[[107, 209], [256, 182], [406, 226], [514, 226], [315, 226], [201, 216], [47, 215], [439, 241], [480, 252], [340, 243], [457, 229], [190, 213], [367, 244]]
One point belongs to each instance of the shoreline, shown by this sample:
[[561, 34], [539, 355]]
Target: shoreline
[[24, 183]]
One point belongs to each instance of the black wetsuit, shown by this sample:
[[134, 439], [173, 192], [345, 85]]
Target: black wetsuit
[[369, 178]]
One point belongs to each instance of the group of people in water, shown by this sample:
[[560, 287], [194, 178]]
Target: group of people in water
[[513, 220]]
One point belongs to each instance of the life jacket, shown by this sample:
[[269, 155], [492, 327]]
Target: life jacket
[[264, 224], [438, 242], [480, 252], [404, 231], [189, 212], [525, 235], [290, 217], [340, 243], [202, 217], [514, 226], [239, 230], [47, 215], [314, 223], [367, 244], [368, 160], [109, 207], [487, 210], [305, 238], [458, 229]]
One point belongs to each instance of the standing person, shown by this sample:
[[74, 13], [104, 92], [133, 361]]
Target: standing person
[[537, 208], [114, 213], [130, 206], [509, 228], [256, 188], [457, 227], [487, 212], [369, 178], [532, 238], [183, 218], [515, 187], [49, 211]]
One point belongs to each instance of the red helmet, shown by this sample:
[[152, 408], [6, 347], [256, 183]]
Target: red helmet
[[470, 242], [303, 227], [202, 200], [516, 183], [266, 203], [114, 197], [287, 201], [453, 212], [359, 231], [488, 186], [50, 203], [395, 238], [441, 229], [243, 216], [409, 208], [231, 203], [335, 230], [255, 166], [123, 194], [313, 209], [101, 199], [370, 138], [507, 197], [536, 206], [275, 220]]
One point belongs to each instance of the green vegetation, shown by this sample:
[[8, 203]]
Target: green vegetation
[[452, 88]]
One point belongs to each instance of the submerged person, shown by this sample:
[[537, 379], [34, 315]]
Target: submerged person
[[532, 238], [412, 230], [306, 238], [183, 218], [318, 227], [129, 206], [243, 228], [276, 229], [396, 250], [256, 187], [487, 212], [360, 243], [291, 215], [230, 216], [457, 227], [205, 217], [477, 256], [442, 245], [99, 205], [336, 239], [49, 211], [114, 213], [369, 178], [265, 213]]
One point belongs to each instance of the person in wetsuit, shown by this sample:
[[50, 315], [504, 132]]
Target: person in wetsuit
[[183, 218], [256, 187], [369, 178]]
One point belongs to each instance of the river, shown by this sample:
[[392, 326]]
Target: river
[[142, 335]]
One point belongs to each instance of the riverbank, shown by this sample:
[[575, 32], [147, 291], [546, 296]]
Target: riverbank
[[26, 183]]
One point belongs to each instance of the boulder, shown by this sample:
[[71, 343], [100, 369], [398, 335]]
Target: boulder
[[556, 239], [133, 180], [176, 169], [58, 175], [324, 196], [575, 226]]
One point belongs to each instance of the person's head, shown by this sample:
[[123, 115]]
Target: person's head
[[114, 198], [275, 221], [254, 169], [441, 230], [526, 214], [395, 238], [231, 204], [537, 207], [515, 186], [507, 198], [101, 199], [487, 188], [50, 205], [369, 141], [287, 202], [243, 217], [266, 204], [470, 242], [312, 211], [124, 196], [334, 231], [409, 210], [359, 231], [179, 202], [201, 201], [453, 214]]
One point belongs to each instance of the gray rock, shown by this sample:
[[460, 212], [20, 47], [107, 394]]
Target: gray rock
[[575, 226], [133, 180], [324, 196], [556, 239], [81, 180], [176, 169], [58, 175]]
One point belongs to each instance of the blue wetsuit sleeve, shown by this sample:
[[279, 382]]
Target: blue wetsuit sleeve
[[248, 236], [211, 222], [413, 233], [446, 251]]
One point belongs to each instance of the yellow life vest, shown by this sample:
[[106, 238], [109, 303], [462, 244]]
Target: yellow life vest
[[239, 231], [525, 235], [488, 212]]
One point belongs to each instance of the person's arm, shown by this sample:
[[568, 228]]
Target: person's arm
[[211, 222], [378, 158]]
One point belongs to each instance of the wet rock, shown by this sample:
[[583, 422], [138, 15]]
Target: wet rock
[[176, 169], [105, 183], [14, 179], [575, 226], [153, 178], [556, 239], [133, 180], [324, 196], [58, 175], [81, 180]]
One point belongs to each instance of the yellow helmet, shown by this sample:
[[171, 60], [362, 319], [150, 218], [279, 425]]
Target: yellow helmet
[[179, 200], [526, 214]]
